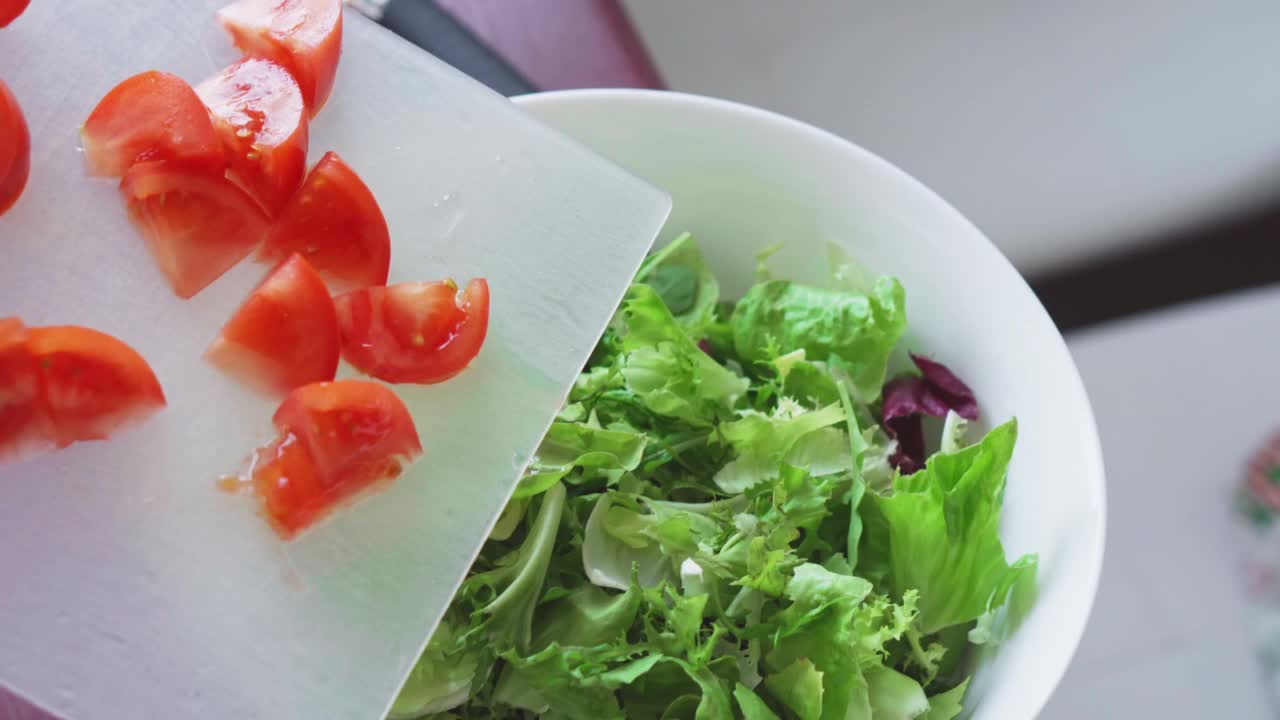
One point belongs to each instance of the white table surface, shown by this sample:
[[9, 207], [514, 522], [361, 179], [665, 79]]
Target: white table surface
[[1182, 398]]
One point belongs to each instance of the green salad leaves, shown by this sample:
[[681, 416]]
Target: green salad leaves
[[714, 527]]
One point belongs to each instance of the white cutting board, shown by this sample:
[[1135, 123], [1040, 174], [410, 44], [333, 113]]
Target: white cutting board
[[130, 587]]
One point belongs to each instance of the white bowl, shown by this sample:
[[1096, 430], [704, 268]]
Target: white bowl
[[743, 179]]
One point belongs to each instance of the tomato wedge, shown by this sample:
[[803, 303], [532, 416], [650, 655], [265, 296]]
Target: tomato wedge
[[414, 332], [196, 225], [10, 10], [60, 385], [335, 223], [285, 335], [92, 383], [24, 419], [150, 116], [336, 439], [15, 149], [304, 36], [258, 112]]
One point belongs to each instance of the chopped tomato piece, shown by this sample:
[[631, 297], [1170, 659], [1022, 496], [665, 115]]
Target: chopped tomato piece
[[92, 383], [24, 419], [15, 149], [10, 10], [304, 36], [196, 225], [336, 439], [335, 223], [151, 116], [285, 335], [258, 112], [60, 385], [285, 480], [414, 332]]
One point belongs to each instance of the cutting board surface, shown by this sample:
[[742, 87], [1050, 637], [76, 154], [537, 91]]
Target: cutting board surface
[[130, 587]]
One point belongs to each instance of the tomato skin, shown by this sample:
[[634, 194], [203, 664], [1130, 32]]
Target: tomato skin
[[24, 420], [413, 332], [336, 439], [92, 383], [15, 149], [151, 116], [196, 224], [258, 112], [348, 425], [285, 335], [285, 480], [334, 222], [10, 10], [65, 384], [304, 36]]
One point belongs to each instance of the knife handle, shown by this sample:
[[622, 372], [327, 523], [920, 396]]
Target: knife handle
[[430, 27]]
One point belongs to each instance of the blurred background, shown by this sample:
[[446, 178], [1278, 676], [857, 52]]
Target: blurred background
[[1126, 158]]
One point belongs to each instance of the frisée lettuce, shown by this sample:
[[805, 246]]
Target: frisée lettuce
[[721, 524]]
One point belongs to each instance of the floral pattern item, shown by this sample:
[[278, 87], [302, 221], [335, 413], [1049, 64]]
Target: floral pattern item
[[1258, 502]]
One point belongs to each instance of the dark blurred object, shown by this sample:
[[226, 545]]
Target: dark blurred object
[[561, 44], [1233, 254], [425, 24]]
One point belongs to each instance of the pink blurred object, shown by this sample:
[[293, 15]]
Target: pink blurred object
[[13, 707], [1259, 505], [1263, 480], [566, 44]]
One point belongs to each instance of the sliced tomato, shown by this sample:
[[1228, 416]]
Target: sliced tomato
[[10, 10], [24, 419], [336, 439], [151, 116], [335, 223], [15, 149], [258, 112], [196, 224], [92, 383], [305, 36], [60, 385], [285, 335], [414, 332], [284, 479]]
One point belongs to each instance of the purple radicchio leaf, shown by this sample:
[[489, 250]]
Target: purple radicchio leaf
[[945, 390], [909, 398]]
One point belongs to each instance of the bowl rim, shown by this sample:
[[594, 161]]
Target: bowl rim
[[1092, 446]]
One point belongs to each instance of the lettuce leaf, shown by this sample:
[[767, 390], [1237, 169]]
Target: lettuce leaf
[[799, 688], [762, 443], [628, 533], [509, 616], [442, 679], [778, 317], [667, 370], [586, 617], [942, 531], [752, 707], [894, 696], [946, 705], [681, 278], [568, 446]]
